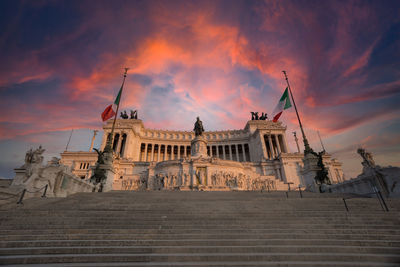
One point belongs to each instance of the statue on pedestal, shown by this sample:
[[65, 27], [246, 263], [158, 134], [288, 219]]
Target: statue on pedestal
[[321, 178], [99, 174], [370, 169], [198, 127]]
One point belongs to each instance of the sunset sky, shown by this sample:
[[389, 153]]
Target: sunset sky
[[61, 64]]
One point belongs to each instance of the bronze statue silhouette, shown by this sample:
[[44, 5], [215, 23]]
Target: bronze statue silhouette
[[264, 116], [134, 114], [254, 115], [321, 178], [99, 174], [124, 115], [198, 127]]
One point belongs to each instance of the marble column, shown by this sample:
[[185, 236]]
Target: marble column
[[264, 146], [119, 144], [158, 152], [223, 152], [104, 141], [285, 143], [126, 149], [145, 152], [185, 151], [244, 153], [179, 152], [217, 147], [211, 154], [237, 152], [271, 148], [152, 152], [230, 152], [277, 144], [165, 152]]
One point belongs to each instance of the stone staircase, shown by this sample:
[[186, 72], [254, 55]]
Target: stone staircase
[[200, 229]]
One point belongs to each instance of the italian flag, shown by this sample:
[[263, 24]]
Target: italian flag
[[111, 109], [284, 103]]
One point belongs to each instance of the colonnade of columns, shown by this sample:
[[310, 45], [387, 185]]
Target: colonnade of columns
[[274, 145], [236, 152], [160, 152], [119, 143]]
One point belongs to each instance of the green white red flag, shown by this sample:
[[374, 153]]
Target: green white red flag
[[111, 109], [284, 103]]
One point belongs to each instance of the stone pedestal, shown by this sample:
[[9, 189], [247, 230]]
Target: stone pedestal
[[20, 176], [110, 174], [310, 171], [199, 147]]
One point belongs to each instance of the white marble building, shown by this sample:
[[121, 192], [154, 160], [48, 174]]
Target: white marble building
[[254, 158]]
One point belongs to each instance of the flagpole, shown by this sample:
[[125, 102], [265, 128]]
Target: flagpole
[[307, 147], [66, 148], [108, 147], [321, 142]]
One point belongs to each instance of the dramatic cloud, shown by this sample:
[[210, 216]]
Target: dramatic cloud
[[62, 63]]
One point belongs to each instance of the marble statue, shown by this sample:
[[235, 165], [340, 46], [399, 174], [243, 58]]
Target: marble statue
[[34, 156], [367, 157], [33, 176]]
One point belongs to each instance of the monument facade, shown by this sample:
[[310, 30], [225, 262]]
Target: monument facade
[[253, 158]]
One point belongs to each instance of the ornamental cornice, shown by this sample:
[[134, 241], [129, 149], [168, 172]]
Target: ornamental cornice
[[291, 155], [264, 124]]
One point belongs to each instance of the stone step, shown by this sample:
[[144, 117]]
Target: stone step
[[192, 211], [325, 230], [172, 225], [201, 236], [201, 227], [215, 264], [339, 218], [200, 221], [169, 224], [203, 242], [280, 209], [238, 227], [152, 214], [199, 257], [197, 249]]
